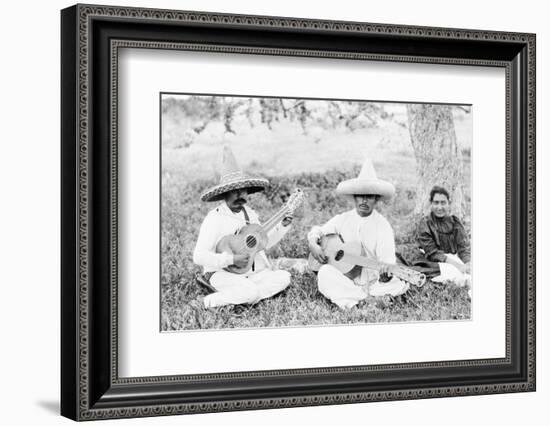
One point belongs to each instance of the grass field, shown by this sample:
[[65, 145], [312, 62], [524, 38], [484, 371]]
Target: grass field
[[300, 303]]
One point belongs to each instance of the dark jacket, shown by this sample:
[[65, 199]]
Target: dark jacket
[[439, 236]]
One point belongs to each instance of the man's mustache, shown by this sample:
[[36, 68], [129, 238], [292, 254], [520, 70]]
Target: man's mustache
[[240, 201]]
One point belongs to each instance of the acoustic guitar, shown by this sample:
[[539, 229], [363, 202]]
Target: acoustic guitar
[[349, 258], [252, 238]]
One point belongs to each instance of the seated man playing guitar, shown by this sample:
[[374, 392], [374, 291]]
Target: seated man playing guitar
[[363, 225], [246, 276]]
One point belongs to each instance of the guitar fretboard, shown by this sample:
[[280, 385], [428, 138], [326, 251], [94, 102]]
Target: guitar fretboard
[[289, 207], [275, 219], [399, 271]]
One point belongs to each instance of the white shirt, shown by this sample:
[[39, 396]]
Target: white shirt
[[222, 221], [374, 233]]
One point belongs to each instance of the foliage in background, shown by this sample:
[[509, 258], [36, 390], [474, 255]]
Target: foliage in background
[[205, 110]]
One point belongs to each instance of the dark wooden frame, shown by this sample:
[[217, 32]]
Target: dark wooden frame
[[90, 386]]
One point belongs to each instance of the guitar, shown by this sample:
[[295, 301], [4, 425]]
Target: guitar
[[252, 238], [348, 259]]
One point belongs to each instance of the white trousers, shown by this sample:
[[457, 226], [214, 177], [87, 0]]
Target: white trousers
[[236, 289], [451, 274], [339, 289]]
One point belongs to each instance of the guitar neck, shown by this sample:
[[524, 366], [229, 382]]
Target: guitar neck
[[402, 272], [275, 219], [295, 199], [363, 261], [397, 270]]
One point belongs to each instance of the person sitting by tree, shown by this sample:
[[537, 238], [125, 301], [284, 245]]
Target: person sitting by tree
[[443, 238]]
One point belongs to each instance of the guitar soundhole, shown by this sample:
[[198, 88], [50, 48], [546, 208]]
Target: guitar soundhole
[[251, 241], [339, 255]]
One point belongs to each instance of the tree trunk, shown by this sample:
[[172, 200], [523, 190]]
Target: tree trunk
[[438, 159]]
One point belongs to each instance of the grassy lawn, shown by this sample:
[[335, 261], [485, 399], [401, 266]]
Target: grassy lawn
[[300, 304]]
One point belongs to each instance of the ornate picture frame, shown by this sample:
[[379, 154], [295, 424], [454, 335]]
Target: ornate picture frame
[[91, 38]]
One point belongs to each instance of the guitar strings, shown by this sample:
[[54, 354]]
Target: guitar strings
[[242, 246], [274, 219], [279, 215], [267, 225]]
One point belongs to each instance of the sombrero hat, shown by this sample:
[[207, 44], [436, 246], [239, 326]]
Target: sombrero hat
[[231, 178], [366, 183]]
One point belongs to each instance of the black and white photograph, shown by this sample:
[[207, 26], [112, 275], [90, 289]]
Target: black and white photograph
[[285, 212], [293, 212]]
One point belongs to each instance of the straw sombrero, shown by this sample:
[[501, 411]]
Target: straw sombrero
[[366, 183], [231, 178]]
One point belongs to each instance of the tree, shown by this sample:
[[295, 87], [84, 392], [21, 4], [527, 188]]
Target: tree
[[438, 159], [431, 129]]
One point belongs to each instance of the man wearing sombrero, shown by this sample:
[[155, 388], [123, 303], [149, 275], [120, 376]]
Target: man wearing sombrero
[[227, 218], [363, 224]]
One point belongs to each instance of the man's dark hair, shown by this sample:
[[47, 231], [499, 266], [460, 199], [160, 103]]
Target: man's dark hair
[[439, 190]]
